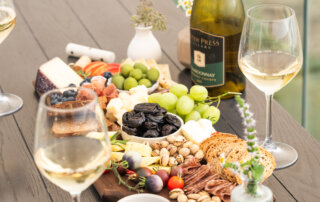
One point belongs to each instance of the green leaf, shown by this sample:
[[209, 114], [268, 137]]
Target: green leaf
[[257, 172]]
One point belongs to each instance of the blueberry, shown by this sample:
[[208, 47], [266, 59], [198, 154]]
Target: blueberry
[[69, 93], [72, 85], [107, 75], [88, 79]]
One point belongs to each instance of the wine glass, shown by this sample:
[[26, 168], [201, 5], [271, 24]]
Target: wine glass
[[9, 103], [270, 56], [71, 143]]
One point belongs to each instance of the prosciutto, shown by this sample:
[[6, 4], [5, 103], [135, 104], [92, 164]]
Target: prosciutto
[[199, 185], [220, 188]]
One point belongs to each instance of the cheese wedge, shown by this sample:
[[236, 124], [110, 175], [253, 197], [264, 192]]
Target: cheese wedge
[[142, 149]]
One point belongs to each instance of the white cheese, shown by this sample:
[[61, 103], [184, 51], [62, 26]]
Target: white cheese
[[114, 105], [197, 131]]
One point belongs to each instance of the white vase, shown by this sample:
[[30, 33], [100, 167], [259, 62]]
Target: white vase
[[144, 45], [263, 193]]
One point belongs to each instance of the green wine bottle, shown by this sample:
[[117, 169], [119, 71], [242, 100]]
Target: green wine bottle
[[215, 32]]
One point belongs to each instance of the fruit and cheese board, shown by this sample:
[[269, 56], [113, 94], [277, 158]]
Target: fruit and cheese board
[[162, 134]]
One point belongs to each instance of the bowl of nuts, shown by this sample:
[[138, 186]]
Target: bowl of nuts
[[149, 122]]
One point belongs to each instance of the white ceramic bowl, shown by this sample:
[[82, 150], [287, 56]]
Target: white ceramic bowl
[[133, 138], [150, 89], [144, 198]]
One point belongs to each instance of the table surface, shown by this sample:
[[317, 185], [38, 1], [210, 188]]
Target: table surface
[[42, 31]]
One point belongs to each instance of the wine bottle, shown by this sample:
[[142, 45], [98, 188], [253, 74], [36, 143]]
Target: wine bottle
[[215, 32]]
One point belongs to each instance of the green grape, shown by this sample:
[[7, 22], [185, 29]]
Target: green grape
[[201, 108], [130, 83], [212, 113], [126, 69], [118, 81], [154, 98], [179, 90], [194, 115], [199, 93], [145, 82], [173, 111], [168, 101], [136, 73], [141, 66], [185, 105], [153, 74]]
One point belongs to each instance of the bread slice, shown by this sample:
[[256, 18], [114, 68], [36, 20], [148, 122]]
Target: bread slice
[[268, 162], [218, 147], [204, 146]]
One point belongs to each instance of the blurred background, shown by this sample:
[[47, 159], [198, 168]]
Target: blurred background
[[291, 96]]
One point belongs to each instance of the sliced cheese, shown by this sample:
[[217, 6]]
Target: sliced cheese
[[142, 149], [116, 156], [156, 167], [147, 161]]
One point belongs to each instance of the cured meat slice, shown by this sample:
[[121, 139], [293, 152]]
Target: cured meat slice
[[199, 185], [201, 172], [220, 188]]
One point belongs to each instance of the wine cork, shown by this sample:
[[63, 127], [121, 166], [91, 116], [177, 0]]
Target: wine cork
[[82, 62], [93, 53]]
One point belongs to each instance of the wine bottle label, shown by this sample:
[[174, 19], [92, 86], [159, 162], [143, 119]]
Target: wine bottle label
[[207, 58]]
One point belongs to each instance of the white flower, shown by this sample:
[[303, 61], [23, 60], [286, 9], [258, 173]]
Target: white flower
[[188, 12]]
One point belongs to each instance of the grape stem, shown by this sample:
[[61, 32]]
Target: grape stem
[[211, 100]]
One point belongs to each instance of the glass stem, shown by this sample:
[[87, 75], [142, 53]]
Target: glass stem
[[75, 197], [268, 143]]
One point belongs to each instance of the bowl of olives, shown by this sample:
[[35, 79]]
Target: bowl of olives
[[148, 122], [134, 75]]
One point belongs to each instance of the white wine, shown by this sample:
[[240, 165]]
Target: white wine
[[215, 31], [269, 71], [7, 22], [73, 163]]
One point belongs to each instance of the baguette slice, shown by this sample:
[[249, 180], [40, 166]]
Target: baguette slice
[[204, 146]]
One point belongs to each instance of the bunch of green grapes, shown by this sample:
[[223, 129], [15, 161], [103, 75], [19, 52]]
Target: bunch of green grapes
[[191, 105]]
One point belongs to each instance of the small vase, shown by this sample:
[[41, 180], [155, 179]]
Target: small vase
[[259, 192], [144, 45]]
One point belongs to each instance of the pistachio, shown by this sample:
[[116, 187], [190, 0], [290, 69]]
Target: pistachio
[[180, 159], [171, 139], [184, 152], [215, 199], [187, 144], [179, 141], [155, 152], [199, 155], [170, 146], [194, 148], [194, 196], [155, 145], [174, 193], [164, 151], [204, 199], [189, 157], [172, 162], [164, 144], [182, 198], [203, 193], [173, 150], [192, 200], [164, 157]]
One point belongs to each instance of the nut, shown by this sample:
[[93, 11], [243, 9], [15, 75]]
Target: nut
[[204, 199], [164, 144], [215, 199], [194, 196], [173, 161], [189, 157], [194, 148], [171, 139], [170, 146], [180, 158], [182, 198], [164, 157], [187, 144], [203, 193], [173, 150], [174, 193], [179, 141], [199, 155], [192, 200], [155, 145], [184, 152], [155, 152]]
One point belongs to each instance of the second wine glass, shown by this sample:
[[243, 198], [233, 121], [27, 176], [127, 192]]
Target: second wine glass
[[270, 56]]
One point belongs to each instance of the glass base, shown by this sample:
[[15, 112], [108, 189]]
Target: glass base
[[284, 154], [9, 103]]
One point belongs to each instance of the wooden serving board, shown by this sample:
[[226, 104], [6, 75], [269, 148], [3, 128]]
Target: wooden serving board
[[109, 189]]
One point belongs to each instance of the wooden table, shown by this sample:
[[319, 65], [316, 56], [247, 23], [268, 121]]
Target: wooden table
[[45, 27]]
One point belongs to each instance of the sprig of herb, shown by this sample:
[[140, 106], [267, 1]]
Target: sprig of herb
[[146, 16], [251, 170], [115, 141], [83, 74]]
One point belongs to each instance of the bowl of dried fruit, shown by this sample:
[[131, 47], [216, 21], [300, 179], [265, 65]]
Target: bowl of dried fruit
[[149, 122]]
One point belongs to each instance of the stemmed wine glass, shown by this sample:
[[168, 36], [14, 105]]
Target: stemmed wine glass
[[270, 56], [9, 103], [71, 143]]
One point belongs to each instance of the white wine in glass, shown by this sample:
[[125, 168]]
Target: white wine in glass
[[71, 142], [9, 103], [270, 56]]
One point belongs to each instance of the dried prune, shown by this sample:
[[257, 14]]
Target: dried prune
[[172, 120], [147, 108], [149, 125], [133, 120], [130, 131], [155, 118], [151, 133], [168, 129]]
